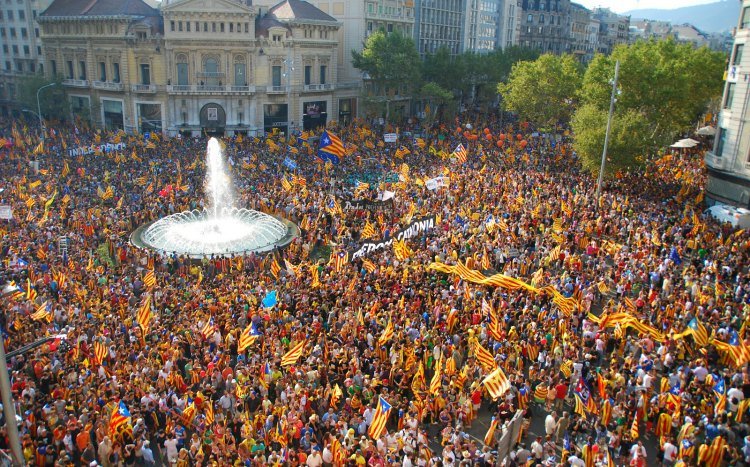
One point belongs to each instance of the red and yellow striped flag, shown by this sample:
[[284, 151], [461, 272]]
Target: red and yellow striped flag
[[144, 314], [496, 383], [379, 419], [291, 357]]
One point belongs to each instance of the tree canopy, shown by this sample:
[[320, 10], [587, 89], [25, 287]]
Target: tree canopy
[[390, 60], [663, 88], [542, 91], [53, 100]]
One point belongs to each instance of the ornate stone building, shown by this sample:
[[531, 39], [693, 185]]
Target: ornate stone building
[[214, 66], [237, 68], [110, 55]]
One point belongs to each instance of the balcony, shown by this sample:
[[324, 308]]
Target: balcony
[[76, 83], [277, 89], [107, 85], [209, 89], [211, 74], [318, 87], [144, 88]]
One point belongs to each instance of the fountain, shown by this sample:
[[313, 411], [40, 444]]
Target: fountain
[[218, 229]]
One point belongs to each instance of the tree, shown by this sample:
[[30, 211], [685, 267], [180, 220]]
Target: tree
[[542, 91], [52, 100], [626, 143], [438, 96], [666, 84], [392, 64]]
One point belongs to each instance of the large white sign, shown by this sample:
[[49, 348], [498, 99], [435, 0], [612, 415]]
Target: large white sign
[[390, 137], [94, 148], [6, 212], [437, 182]]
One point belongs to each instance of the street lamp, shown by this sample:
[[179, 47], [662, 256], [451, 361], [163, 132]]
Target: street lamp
[[609, 127], [39, 108]]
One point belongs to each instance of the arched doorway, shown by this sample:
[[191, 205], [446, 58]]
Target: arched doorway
[[213, 119]]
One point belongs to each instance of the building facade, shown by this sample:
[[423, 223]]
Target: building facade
[[580, 39], [728, 164], [21, 51], [439, 23], [614, 29], [219, 67], [510, 20], [545, 25], [109, 55]]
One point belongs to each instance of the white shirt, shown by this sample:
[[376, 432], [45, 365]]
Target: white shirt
[[550, 424], [670, 451]]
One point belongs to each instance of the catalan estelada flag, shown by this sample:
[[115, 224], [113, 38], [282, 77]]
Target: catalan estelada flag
[[331, 148], [377, 427]]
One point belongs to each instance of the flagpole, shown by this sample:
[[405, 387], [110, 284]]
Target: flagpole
[[9, 411]]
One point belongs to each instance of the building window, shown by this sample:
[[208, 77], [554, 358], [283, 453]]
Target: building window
[[239, 74], [744, 24], [730, 95], [21, 15], [182, 73], [720, 141], [10, 15], [738, 54], [247, 28], [13, 32], [171, 26], [82, 70], [221, 26], [308, 75], [70, 69], [53, 65], [213, 27], [26, 50], [323, 70], [116, 72], [102, 71], [530, 18], [276, 76], [24, 33], [187, 26], [541, 19], [179, 26], [231, 27], [145, 73], [390, 27]]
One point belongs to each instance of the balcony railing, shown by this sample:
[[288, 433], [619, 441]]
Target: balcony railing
[[211, 74], [144, 88], [277, 89], [107, 85], [76, 83], [208, 89], [318, 87]]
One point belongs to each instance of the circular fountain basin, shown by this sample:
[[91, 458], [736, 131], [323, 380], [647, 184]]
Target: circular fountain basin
[[200, 234]]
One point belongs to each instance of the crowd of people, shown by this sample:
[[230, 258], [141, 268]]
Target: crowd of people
[[615, 328]]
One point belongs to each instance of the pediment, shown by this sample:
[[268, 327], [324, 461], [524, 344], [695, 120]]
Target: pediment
[[207, 6]]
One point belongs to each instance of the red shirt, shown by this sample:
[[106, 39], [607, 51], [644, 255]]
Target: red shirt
[[561, 390]]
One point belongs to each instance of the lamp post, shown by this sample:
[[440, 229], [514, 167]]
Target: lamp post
[[39, 107], [609, 127]]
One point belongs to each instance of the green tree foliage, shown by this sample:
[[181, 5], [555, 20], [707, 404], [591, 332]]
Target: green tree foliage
[[52, 100], [437, 96], [542, 91], [664, 86], [391, 62], [626, 142]]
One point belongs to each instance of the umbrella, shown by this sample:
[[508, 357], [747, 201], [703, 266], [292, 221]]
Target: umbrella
[[706, 131]]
